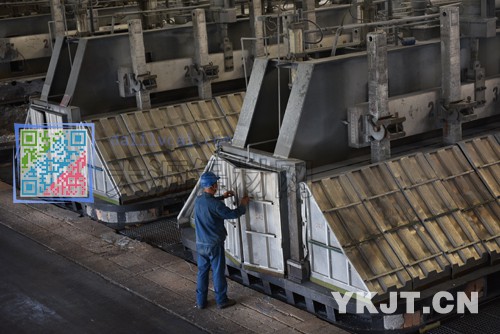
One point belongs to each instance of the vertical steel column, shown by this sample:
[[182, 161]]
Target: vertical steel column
[[138, 55], [450, 71], [378, 94], [150, 19], [256, 25], [58, 18], [309, 8], [201, 50], [82, 20]]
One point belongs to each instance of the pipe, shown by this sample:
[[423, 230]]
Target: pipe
[[380, 23]]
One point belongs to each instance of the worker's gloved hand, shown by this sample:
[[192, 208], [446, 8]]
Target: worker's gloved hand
[[245, 200], [228, 194]]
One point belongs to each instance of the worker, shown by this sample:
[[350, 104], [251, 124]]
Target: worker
[[209, 215]]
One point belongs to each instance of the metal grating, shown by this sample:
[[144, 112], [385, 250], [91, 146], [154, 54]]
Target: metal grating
[[486, 321], [163, 234]]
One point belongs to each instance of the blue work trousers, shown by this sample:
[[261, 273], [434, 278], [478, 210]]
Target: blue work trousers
[[211, 256]]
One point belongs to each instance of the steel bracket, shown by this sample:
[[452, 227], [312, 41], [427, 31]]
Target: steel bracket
[[202, 73], [363, 130], [458, 112], [129, 83]]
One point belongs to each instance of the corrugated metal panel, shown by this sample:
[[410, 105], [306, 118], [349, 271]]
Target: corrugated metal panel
[[485, 221], [210, 120], [122, 158], [358, 235], [168, 145], [231, 105], [422, 187], [436, 208], [162, 150], [419, 217], [459, 177], [394, 216], [261, 224], [484, 155]]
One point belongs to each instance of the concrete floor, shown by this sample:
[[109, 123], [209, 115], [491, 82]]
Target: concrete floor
[[43, 292], [159, 281]]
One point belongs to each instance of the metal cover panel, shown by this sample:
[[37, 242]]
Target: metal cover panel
[[485, 221], [122, 158], [421, 186], [163, 150], [210, 120], [458, 177], [261, 224], [454, 235], [231, 105], [228, 181], [166, 142], [419, 216], [382, 197], [393, 214], [484, 155], [363, 242], [378, 266]]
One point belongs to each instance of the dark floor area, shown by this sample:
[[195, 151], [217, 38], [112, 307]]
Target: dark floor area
[[43, 292]]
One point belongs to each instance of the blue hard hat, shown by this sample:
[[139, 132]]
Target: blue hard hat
[[208, 179]]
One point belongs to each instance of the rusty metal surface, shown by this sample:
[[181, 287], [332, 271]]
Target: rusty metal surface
[[484, 155], [122, 159], [361, 240], [231, 105], [419, 218], [162, 150]]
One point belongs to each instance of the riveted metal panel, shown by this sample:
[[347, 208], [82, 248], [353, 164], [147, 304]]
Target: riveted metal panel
[[484, 155]]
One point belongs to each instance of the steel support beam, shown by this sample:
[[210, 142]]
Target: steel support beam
[[58, 18], [138, 55], [309, 8], [256, 25], [450, 71], [378, 93], [201, 50]]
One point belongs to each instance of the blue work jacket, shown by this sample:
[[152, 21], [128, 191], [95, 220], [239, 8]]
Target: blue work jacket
[[209, 215]]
